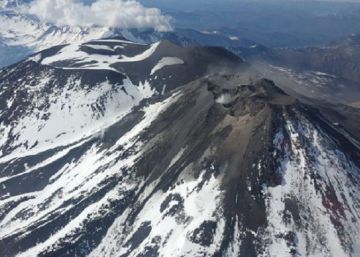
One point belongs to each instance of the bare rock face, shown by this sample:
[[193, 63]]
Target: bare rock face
[[223, 165]]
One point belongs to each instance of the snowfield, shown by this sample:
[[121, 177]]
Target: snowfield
[[82, 60]]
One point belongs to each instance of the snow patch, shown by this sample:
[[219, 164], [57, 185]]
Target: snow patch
[[82, 60], [166, 61]]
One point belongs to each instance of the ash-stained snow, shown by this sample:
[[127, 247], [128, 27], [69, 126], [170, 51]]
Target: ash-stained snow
[[315, 211], [69, 113], [172, 223], [235, 244], [77, 180]]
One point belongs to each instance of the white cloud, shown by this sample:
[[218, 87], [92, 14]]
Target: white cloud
[[123, 14]]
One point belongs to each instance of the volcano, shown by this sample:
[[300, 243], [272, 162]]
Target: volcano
[[113, 148]]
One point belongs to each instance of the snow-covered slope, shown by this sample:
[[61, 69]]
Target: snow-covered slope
[[71, 91], [27, 33], [113, 148]]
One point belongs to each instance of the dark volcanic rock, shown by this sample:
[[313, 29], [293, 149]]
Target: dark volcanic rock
[[93, 164]]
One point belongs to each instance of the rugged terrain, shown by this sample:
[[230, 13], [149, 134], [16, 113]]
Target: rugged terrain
[[57, 94], [113, 148], [22, 34]]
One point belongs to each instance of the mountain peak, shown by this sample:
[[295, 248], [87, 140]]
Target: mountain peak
[[241, 98], [156, 144]]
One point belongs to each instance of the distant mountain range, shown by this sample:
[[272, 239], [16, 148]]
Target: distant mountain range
[[330, 73], [341, 58], [22, 35], [272, 23]]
